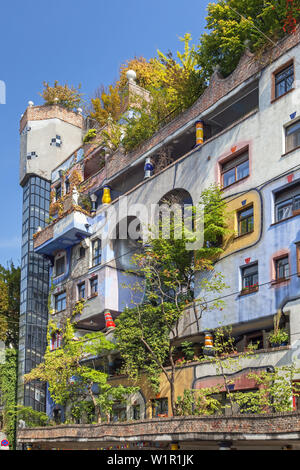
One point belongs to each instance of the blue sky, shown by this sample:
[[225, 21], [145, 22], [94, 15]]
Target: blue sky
[[74, 42]]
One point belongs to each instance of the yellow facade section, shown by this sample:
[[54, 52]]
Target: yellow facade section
[[234, 241], [184, 378]]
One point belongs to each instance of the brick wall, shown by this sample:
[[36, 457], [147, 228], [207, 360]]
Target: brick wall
[[166, 429], [37, 113]]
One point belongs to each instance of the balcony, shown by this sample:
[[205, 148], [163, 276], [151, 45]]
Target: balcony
[[115, 293], [62, 233]]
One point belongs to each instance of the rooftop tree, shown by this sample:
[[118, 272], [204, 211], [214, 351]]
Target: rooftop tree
[[234, 24], [67, 96]]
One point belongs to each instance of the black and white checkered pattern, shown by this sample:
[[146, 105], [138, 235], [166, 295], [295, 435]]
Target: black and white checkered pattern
[[56, 141], [31, 155]]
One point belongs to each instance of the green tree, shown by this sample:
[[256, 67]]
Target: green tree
[[8, 386], [183, 82], [233, 24], [148, 333], [275, 389], [72, 378]]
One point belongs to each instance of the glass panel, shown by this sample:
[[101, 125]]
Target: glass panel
[[81, 291], [292, 136], [284, 210], [296, 203], [96, 247], [242, 170], [282, 268], [250, 276], [59, 266], [284, 81], [246, 221], [60, 302], [229, 177], [94, 286]]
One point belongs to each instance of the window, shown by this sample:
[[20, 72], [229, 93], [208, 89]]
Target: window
[[255, 339], [284, 81], [160, 407], [81, 252], [235, 170], [94, 285], [287, 202], [96, 252], [250, 278], [119, 412], [245, 221], [282, 268], [55, 341], [60, 302], [67, 186], [60, 266], [57, 192], [81, 290], [292, 136], [136, 412]]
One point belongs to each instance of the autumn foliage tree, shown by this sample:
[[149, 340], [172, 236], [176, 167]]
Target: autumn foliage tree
[[64, 95]]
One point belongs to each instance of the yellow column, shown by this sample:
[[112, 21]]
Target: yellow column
[[199, 132]]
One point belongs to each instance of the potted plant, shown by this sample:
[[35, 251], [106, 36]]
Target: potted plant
[[278, 337]]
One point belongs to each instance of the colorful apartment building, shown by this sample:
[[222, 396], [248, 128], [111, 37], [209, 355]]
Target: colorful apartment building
[[243, 134]]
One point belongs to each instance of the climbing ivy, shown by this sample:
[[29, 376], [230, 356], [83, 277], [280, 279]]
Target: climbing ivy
[[8, 386]]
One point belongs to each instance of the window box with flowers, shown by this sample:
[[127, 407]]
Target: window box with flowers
[[249, 289]]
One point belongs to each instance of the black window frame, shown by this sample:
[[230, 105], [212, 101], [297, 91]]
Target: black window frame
[[234, 165], [243, 215], [62, 301], [290, 201], [282, 77], [81, 252], [292, 139], [81, 290], [96, 253], [58, 192], [57, 263], [278, 265], [160, 406], [93, 283], [249, 275]]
